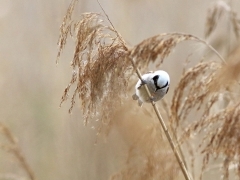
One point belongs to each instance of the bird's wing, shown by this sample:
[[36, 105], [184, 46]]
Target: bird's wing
[[146, 77], [139, 86]]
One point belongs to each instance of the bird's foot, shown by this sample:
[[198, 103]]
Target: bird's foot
[[140, 103], [143, 82], [151, 99], [135, 97]]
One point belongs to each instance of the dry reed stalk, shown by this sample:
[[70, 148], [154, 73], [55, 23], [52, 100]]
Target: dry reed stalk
[[65, 28], [89, 33], [227, 76], [160, 46], [15, 150], [146, 157], [103, 64], [185, 99], [218, 10], [206, 85], [174, 147], [99, 60]]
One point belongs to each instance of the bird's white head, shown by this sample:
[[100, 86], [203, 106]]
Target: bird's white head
[[161, 79]]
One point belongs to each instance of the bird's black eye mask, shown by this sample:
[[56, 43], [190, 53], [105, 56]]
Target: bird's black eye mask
[[155, 78]]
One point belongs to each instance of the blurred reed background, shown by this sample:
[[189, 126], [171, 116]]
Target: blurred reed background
[[54, 143]]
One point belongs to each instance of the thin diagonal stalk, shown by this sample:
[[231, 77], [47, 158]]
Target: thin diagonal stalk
[[164, 103], [169, 137], [166, 131], [201, 41], [15, 149]]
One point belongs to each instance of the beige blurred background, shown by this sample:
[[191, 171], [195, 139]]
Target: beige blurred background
[[56, 144]]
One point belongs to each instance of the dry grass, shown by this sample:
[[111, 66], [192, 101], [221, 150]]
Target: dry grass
[[219, 122], [13, 148], [218, 10], [226, 77], [146, 157], [186, 97], [100, 67], [98, 82], [102, 70]]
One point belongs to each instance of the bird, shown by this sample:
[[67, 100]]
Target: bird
[[158, 83]]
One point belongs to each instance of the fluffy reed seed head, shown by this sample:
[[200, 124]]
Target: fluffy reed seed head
[[102, 69], [218, 10]]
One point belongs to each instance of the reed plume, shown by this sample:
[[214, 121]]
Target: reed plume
[[12, 147], [103, 66]]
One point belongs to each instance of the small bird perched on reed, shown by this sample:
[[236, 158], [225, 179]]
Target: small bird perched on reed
[[158, 84]]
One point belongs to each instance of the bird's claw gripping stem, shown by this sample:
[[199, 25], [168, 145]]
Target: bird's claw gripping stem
[[143, 82], [151, 99]]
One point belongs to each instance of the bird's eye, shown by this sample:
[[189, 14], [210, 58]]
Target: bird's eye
[[155, 78]]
